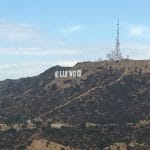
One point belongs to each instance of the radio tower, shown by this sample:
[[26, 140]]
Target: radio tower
[[117, 52]]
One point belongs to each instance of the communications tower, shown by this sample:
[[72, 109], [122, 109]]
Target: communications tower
[[117, 52]]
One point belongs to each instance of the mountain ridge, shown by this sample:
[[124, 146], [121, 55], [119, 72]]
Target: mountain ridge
[[109, 96]]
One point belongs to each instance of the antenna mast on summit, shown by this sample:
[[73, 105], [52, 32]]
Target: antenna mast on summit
[[118, 55]]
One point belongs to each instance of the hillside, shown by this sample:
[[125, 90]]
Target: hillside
[[106, 108]]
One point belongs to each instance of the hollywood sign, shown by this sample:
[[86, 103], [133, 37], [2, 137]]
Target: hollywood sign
[[67, 73]]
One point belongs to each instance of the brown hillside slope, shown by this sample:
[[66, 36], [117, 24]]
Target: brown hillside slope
[[94, 111]]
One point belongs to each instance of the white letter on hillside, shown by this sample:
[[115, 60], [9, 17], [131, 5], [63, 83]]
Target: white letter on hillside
[[56, 74], [70, 73], [74, 72], [78, 73]]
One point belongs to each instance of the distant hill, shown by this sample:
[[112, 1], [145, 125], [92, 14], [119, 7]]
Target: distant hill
[[103, 107]]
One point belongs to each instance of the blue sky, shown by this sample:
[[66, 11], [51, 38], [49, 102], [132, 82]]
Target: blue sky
[[37, 34]]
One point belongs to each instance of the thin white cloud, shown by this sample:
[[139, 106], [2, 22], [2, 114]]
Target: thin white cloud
[[134, 50], [72, 29], [25, 69], [34, 38], [137, 51], [139, 31], [34, 64], [17, 31], [39, 51]]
